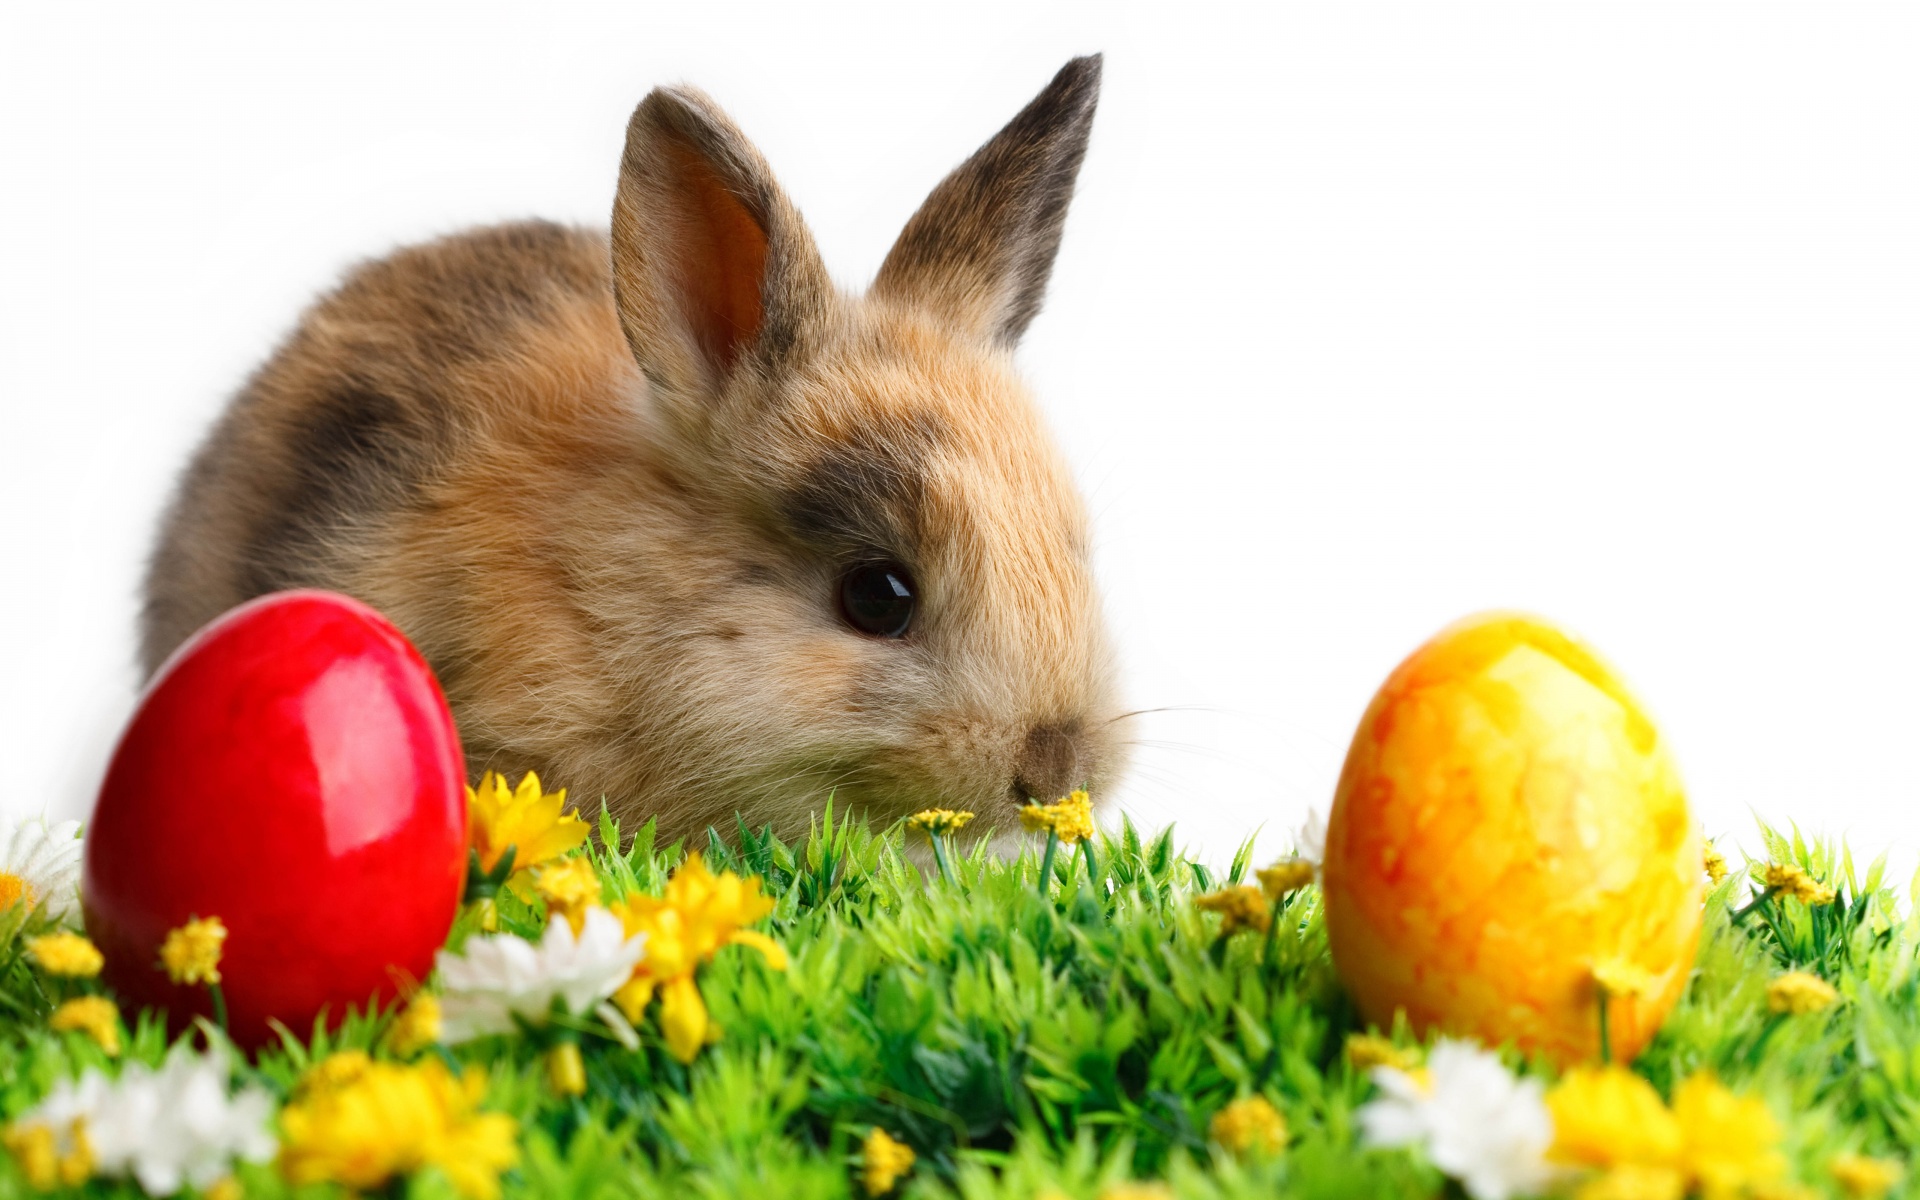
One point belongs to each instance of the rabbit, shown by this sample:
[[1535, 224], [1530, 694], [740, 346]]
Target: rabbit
[[678, 523]]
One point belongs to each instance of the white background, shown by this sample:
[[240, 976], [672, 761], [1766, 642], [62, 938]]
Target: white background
[[1367, 318]]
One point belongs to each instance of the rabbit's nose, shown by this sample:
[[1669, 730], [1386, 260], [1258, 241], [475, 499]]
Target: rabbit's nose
[[1048, 766]]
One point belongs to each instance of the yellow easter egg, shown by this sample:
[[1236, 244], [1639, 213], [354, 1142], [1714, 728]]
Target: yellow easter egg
[[1509, 832]]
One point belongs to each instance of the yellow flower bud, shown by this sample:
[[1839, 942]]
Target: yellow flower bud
[[1798, 992], [191, 953], [225, 1188], [65, 954], [1365, 1051], [1249, 1126], [1240, 907], [569, 887], [1715, 864], [1864, 1178], [1287, 875], [566, 1071], [934, 821], [882, 1162], [416, 1028], [94, 1016], [1790, 880]]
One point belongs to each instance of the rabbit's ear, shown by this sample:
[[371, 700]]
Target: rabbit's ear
[[712, 265], [980, 249]]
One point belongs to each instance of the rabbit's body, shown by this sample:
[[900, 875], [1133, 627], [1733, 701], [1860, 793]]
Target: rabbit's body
[[630, 501]]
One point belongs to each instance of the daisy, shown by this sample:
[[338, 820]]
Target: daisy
[[41, 868], [500, 976], [1476, 1121], [166, 1128]]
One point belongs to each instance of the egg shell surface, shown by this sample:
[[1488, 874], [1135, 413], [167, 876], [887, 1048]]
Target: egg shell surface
[[1508, 822], [293, 770]]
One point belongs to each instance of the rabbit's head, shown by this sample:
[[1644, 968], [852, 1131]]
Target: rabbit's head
[[889, 595]]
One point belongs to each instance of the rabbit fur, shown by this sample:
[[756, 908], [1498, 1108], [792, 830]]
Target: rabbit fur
[[610, 488]]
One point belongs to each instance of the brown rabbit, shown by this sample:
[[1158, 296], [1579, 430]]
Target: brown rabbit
[[675, 520]]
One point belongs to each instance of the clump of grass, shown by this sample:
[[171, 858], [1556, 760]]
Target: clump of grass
[[1022, 1039]]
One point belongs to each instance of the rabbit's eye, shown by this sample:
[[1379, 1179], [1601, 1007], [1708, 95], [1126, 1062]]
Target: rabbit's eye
[[877, 598]]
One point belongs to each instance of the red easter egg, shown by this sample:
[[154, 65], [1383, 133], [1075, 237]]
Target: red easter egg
[[294, 771]]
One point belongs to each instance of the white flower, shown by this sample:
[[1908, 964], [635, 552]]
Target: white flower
[[65, 1106], [1476, 1121], [1310, 840], [501, 975], [42, 867], [166, 1128]]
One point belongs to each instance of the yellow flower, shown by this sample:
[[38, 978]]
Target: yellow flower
[[224, 1188], [700, 913], [939, 820], [14, 890], [1365, 1051], [1618, 977], [1070, 817], [191, 953], [1799, 992], [882, 1162], [1287, 875], [94, 1016], [1864, 1178], [566, 1071], [1136, 1191], [1610, 1117], [1249, 1126], [1715, 864], [569, 887], [1791, 880], [66, 954], [389, 1120], [1240, 907], [1631, 1182], [36, 1148], [1728, 1142], [527, 819], [416, 1028], [343, 1068]]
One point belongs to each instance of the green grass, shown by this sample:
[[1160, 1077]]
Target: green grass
[[1021, 1044]]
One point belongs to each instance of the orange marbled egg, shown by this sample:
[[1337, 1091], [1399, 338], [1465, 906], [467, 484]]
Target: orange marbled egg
[[1509, 823]]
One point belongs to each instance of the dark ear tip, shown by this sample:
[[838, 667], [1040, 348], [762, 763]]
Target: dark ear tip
[[1081, 74], [672, 106]]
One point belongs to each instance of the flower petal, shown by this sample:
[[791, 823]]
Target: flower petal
[[683, 1018], [775, 953]]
